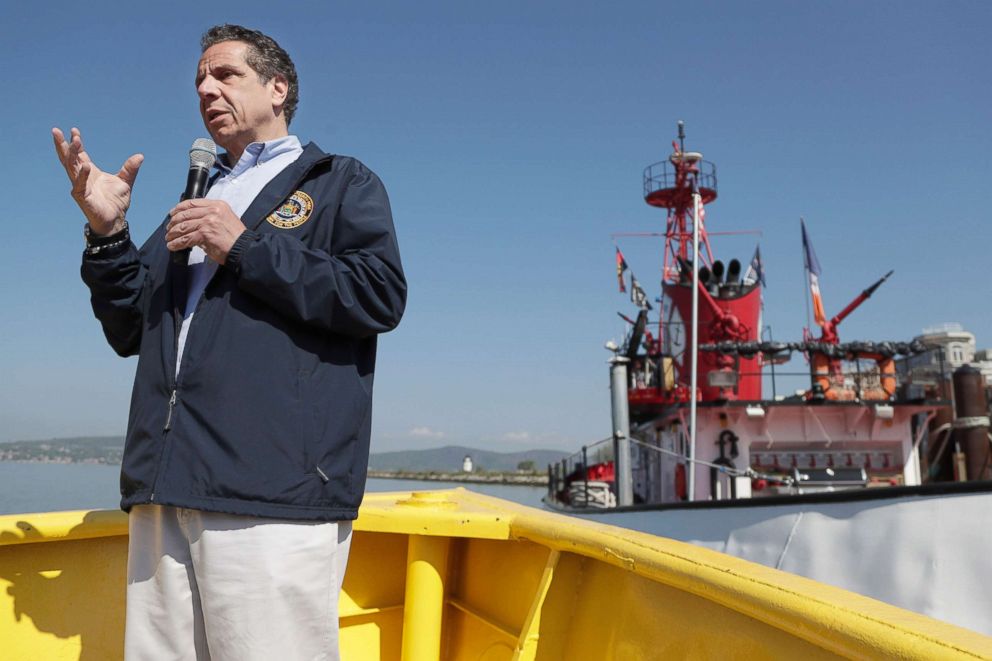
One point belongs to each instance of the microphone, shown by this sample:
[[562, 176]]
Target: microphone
[[202, 156]]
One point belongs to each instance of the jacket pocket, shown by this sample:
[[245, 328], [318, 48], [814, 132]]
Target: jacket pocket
[[336, 442]]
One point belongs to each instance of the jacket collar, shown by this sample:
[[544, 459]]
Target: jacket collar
[[283, 185]]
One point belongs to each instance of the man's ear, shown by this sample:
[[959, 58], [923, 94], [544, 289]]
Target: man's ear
[[280, 89]]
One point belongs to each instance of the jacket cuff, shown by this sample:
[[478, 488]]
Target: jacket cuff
[[237, 251]]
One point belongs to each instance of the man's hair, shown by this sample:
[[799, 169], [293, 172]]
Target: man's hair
[[264, 56]]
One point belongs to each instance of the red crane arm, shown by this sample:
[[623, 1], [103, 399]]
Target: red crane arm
[[861, 298]]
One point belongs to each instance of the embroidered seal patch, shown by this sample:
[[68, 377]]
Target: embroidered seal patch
[[294, 211]]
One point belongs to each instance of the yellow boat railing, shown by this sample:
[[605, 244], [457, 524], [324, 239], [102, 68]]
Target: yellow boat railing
[[456, 575]]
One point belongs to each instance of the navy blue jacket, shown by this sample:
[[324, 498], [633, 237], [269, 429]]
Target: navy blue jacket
[[271, 412]]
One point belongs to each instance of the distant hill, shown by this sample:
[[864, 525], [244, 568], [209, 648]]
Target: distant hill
[[78, 450], [450, 458]]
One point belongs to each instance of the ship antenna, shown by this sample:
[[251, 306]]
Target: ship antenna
[[681, 136]]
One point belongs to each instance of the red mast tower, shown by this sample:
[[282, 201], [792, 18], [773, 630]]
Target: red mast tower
[[729, 308]]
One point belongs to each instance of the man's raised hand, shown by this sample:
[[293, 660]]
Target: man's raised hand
[[103, 198]]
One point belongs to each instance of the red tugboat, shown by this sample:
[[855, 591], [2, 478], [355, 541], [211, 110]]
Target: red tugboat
[[690, 419]]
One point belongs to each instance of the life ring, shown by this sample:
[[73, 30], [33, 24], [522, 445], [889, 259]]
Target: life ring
[[824, 376]]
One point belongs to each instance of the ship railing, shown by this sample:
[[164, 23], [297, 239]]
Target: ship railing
[[662, 176], [717, 469], [858, 381], [720, 468], [569, 479], [574, 469], [917, 373]]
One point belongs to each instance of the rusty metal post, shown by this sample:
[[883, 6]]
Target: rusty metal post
[[971, 424]]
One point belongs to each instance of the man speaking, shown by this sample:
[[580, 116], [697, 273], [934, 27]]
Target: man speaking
[[248, 435]]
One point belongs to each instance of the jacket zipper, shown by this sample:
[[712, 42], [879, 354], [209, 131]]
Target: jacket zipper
[[172, 405]]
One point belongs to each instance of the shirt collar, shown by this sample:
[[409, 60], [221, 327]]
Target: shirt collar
[[258, 153]]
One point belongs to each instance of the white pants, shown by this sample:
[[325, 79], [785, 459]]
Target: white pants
[[202, 585]]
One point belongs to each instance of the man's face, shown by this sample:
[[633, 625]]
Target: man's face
[[236, 107]]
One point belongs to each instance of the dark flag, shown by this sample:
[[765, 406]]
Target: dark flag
[[621, 267], [756, 269]]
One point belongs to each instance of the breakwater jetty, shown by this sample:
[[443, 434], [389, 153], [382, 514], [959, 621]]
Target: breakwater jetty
[[523, 479]]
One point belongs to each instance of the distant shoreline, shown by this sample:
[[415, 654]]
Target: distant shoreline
[[61, 461], [430, 465], [512, 479], [516, 479]]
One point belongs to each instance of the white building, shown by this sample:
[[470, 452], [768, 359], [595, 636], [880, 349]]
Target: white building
[[952, 347], [467, 464]]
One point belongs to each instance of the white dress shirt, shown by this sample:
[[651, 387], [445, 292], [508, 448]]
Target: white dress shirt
[[238, 186]]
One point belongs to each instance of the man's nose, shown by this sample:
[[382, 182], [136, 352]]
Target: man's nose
[[207, 88]]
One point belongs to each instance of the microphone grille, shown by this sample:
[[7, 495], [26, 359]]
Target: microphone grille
[[203, 153]]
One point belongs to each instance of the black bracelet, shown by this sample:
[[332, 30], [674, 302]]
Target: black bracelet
[[96, 244]]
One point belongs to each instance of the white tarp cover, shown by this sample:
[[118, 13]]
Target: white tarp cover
[[928, 554]]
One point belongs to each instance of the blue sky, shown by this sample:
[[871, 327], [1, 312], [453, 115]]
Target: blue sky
[[512, 137]]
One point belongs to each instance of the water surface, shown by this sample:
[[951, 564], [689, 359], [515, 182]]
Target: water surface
[[37, 487]]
